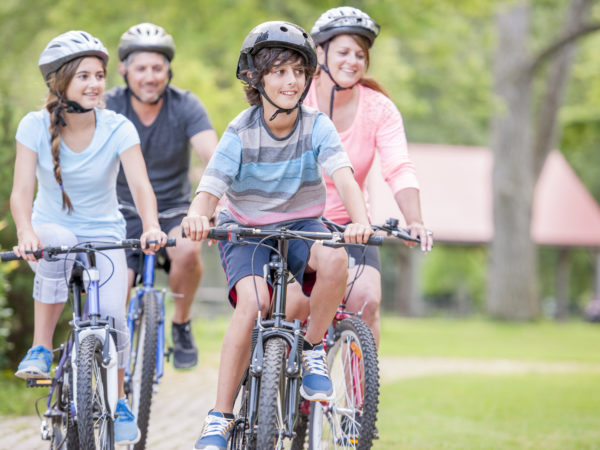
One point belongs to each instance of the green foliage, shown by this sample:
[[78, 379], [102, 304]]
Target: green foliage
[[456, 277]]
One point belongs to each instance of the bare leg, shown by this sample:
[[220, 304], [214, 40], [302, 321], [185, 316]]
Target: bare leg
[[235, 351], [44, 323], [330, 265], [297, 303], [185, 274], [365, 296]]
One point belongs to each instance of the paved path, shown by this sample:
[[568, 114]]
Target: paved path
[[184, 397]]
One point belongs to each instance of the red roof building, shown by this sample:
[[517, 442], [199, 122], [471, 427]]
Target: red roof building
[[456, 198]]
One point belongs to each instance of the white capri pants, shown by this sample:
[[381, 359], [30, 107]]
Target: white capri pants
[[50, 284]]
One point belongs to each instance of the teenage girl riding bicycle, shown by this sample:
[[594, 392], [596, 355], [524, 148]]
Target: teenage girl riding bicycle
[[72, 149]]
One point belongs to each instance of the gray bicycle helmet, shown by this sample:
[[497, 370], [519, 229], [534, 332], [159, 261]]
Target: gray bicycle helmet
[[146, 37], [275, 34], [68, 46], [344, 20]]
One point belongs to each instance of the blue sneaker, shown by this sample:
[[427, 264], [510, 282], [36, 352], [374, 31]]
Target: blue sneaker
[[126, 429], [216, 431], [36, 363], [316, 385]]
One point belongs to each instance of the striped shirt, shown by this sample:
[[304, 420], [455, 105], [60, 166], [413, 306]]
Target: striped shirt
[[269, 180]]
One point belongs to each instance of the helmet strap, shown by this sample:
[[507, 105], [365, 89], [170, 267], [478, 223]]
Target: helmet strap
[[69, 106], [258, 85], [336, 86]]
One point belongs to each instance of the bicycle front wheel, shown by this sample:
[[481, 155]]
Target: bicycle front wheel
[[349, 420], [271, 398], [142, 363], [94, 422]]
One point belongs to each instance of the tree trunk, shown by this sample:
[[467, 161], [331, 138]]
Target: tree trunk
[[512, 289], [562, 284]]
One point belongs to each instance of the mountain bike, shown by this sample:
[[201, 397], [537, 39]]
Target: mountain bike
[[266, 406], [347, 421], [146, 325], [83, 393]]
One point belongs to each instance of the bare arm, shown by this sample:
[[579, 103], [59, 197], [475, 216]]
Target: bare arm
[[409, 203], [350, 194], [196, 223], [143, 196], [204, 143], [21, 201]]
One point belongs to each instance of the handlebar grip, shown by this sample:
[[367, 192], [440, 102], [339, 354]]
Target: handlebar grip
[[8, 256], [375, 240], [219, 234]]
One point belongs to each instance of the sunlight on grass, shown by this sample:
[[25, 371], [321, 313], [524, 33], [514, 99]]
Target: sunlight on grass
[[493, 412], [479, 338]]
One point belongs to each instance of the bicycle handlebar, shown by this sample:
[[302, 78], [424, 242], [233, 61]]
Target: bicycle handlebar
[[390, 227], [48, 252], [330, 239]]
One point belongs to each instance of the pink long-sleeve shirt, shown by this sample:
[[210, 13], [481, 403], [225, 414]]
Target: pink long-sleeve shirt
[[377, 126]]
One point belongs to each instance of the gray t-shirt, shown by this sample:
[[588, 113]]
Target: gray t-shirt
[[165, 143]]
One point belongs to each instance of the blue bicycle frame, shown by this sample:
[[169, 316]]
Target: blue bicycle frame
[[136, 306]]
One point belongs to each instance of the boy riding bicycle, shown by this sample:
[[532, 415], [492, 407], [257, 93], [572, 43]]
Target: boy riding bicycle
[[268, 165]]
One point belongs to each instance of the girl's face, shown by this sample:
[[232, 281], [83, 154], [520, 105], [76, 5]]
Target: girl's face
[[285, 84], [87, 85], [347, 61]]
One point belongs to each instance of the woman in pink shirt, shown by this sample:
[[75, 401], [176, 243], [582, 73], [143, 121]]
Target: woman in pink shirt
[[367, 121]]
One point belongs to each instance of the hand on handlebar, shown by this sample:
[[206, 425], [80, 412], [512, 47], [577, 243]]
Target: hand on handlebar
[[426, 236], [357, 233], [28, 242], [196, 227], [156, 235]]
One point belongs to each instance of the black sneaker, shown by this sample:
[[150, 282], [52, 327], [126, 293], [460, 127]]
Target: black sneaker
[[185, 353]]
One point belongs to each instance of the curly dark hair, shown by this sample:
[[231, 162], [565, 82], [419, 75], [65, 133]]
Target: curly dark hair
[[264, 61]]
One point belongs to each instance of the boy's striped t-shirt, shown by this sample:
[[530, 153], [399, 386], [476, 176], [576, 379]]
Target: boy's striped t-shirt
[[268, 180]]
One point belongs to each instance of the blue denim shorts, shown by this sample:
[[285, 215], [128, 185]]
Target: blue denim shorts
[[240, 261]]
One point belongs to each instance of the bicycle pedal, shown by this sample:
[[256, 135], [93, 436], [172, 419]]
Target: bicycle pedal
[[39, 382]]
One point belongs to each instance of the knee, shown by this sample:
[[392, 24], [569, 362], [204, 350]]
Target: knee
[[334, 266], [188, 257]]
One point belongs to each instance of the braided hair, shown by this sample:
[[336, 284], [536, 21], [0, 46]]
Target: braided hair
[[56, 105]]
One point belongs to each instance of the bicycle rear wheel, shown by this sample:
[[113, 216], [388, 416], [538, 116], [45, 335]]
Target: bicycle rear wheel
[[142, 363], [94, 422], [271, 398], [349, 420]]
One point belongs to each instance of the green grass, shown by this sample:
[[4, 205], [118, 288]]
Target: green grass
[[481, 339], [531, 411], [491, 412]]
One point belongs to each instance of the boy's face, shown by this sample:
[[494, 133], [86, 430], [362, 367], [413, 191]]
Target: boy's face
[[284, 84]]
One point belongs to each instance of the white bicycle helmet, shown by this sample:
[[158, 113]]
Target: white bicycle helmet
[[344, 20], [146, 37], [68, 46]]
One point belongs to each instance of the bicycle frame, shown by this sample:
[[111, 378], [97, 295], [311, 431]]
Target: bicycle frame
[[277, 326], [135, 305]]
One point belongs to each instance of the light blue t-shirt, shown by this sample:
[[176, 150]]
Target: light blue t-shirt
[[89, 177]]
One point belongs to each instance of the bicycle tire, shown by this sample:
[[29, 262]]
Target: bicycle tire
[[142, 363], [239, 439], [348, 421], [300, 429], [94, 423], [64, 427], [271, 396]]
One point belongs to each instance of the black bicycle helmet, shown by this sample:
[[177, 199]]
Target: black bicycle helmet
[[146, 37], [276, 34], [344, 20], [67, 47]]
